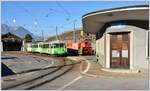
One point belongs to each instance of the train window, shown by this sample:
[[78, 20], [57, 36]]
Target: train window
[[52, 46], [40, 46], [56, 45], [43, 45], [61, 45], [46, 46], [36, 46]]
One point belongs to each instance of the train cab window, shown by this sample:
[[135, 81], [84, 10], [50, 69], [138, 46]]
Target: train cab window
[[61, 45], [56, 45]]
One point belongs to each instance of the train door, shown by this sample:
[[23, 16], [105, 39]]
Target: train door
[[49, 49]]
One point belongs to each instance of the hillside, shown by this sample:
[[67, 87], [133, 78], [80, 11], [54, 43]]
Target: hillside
[[68, 36]]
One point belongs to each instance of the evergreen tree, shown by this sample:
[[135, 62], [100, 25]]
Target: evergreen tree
[[28, 38]]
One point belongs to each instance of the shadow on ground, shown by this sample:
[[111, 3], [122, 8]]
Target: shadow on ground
[[5, 71]]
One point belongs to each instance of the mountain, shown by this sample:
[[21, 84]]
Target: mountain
[[4, 29], [18, 31]]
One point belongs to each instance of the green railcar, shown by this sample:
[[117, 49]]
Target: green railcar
[[35, 47], [45, 48], [57, 48]]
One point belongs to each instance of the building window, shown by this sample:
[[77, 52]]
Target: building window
[[114, 38], [125, 37]]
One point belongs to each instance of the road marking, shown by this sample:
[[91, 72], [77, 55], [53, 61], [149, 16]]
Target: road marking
[[76, 79], [73, 81], [87, 67]]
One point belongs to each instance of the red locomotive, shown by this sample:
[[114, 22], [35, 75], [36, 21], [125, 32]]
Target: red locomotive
[[79, 48]]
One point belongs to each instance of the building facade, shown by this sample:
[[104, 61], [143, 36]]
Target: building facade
[[122, 36], [11, 42]]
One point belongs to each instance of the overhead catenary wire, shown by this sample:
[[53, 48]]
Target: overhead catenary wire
[[35, 19], [52, 11], [28, 12], [65, 10]]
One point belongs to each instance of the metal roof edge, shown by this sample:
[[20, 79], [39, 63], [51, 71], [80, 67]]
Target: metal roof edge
[[135, 6]]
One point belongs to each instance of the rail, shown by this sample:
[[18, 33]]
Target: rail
[[48, 74]]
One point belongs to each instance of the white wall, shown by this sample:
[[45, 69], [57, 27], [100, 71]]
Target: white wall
[[137, 47], [100, 51]]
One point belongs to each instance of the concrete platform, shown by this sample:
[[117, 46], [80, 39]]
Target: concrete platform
[[20, 63], [94, 69], [121, 70]]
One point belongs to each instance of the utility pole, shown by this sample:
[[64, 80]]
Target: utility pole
[[42, 35], [74, 34], [56, 32]]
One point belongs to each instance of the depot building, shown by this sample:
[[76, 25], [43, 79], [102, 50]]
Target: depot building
[[122, 36], [11, 42]]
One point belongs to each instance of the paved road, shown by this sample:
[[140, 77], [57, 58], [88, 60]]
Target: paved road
[[106, 83], [74, 80]]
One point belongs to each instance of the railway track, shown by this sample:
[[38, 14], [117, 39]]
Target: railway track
[[38, 76]]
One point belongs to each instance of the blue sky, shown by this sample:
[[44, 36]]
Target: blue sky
[[50, 14]]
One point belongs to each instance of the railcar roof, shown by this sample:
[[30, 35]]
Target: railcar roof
[[52, 42]]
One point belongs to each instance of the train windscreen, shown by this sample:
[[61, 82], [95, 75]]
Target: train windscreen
[[59, 45]]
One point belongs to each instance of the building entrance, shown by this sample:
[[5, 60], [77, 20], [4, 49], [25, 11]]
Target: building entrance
[[119, 50]]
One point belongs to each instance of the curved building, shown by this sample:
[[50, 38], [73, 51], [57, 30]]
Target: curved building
[[122, 36]]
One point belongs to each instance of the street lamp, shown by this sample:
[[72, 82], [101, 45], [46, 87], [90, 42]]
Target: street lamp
[[14, 20], [14, 23], [35, 23]]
